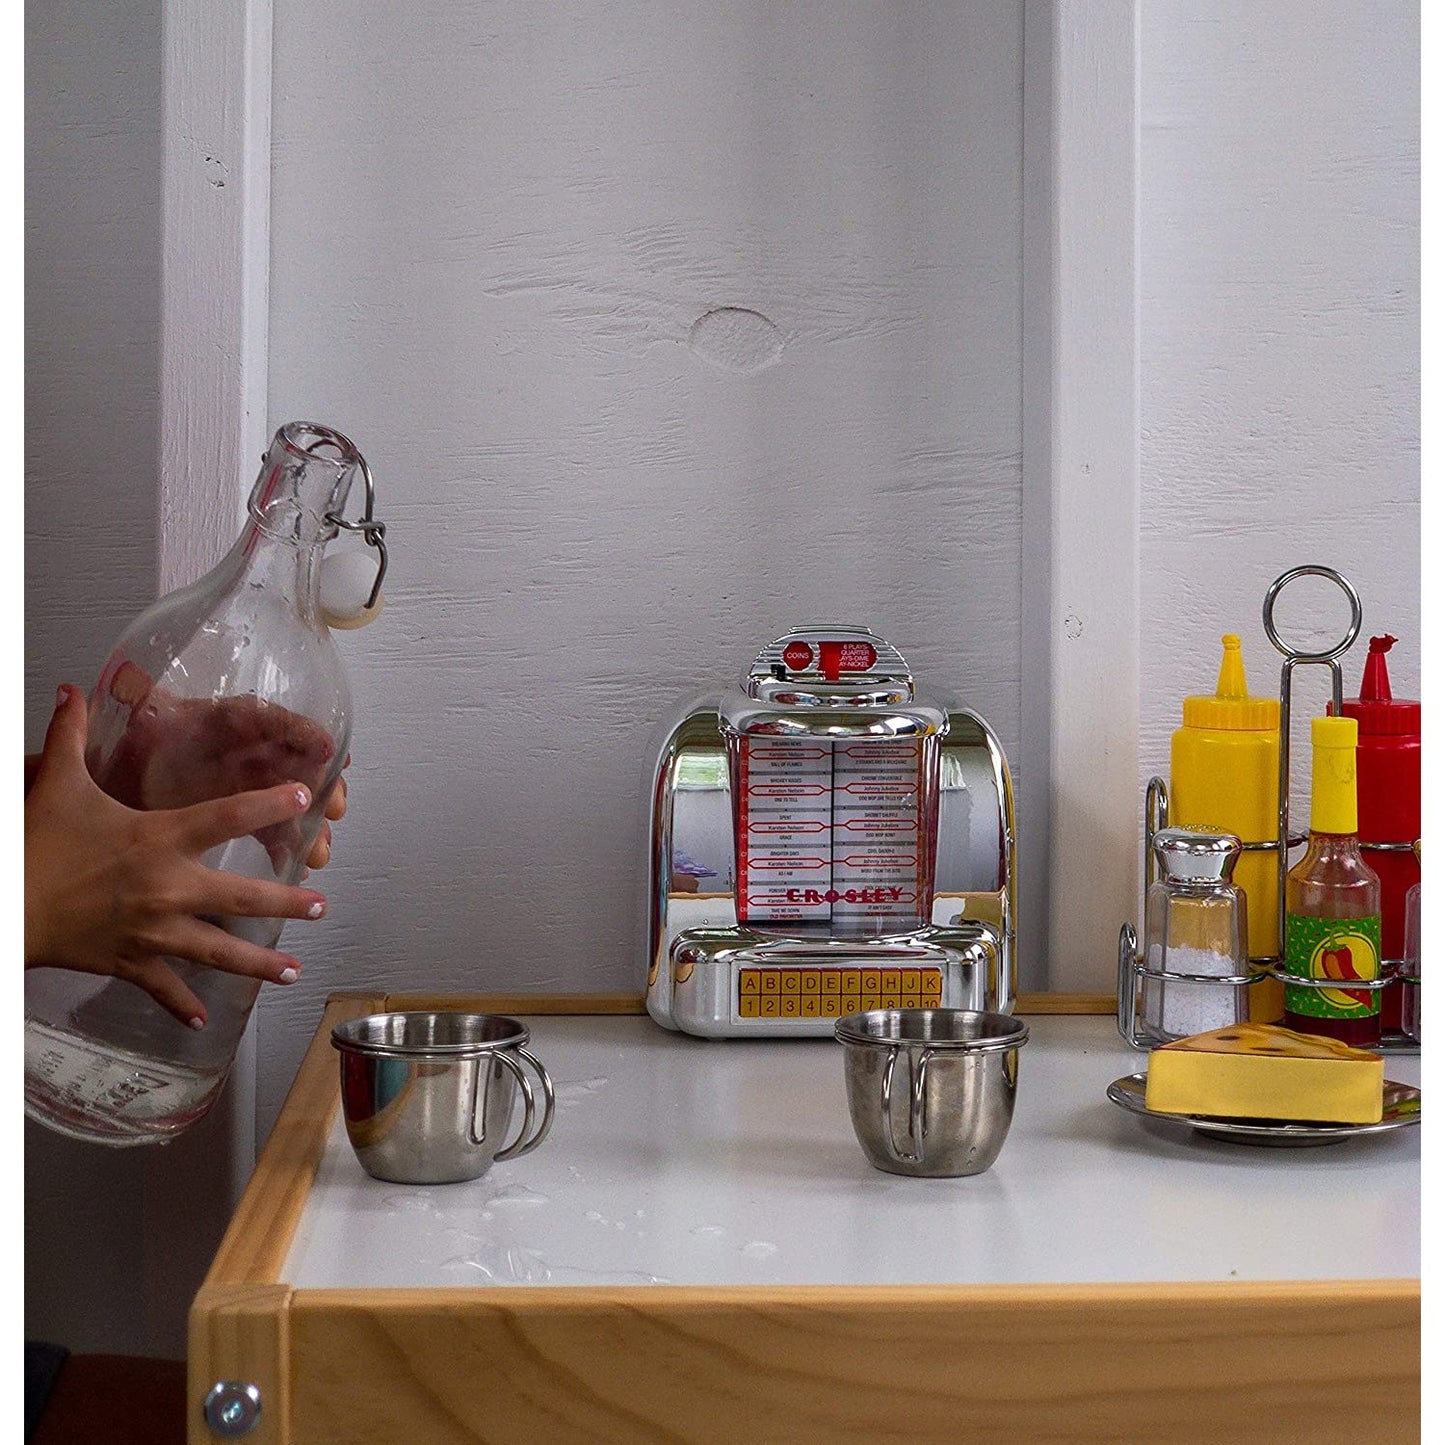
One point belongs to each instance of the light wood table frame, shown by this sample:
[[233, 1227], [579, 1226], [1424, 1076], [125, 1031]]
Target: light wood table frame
[[1322, 1360]]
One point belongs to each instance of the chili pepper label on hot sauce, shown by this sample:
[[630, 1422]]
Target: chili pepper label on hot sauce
[[1332, 948]]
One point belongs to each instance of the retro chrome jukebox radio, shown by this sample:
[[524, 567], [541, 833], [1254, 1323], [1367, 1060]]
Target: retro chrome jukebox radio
[[824, 841]]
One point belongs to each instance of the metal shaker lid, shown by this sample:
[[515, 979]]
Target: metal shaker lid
[[1196, 855]]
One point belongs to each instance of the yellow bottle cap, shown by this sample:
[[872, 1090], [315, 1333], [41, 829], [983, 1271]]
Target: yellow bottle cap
[[1231, 707], [1333, 807]]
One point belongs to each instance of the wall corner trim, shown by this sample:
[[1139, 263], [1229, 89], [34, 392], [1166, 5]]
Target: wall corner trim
[[1081, 391], [215, 274], [215, 301]]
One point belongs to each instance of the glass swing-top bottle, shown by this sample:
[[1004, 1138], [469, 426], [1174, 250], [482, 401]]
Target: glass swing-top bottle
[[230, 684]]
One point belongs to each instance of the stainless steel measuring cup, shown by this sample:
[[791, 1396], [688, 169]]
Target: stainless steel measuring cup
[[931, 1090], [427, 1097]]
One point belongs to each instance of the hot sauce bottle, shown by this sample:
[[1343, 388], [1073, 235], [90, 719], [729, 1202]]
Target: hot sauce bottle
[[1332, 902], [1389, 802]]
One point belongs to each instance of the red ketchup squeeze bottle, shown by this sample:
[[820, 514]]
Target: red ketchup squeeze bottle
[[1388, 775]]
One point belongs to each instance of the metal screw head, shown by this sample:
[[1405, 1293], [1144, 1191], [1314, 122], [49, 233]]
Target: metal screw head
[[232, 1408]]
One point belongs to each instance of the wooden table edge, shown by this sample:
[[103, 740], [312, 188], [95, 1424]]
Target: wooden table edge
[[1387, 1297], [1215, 1360], [241, 1319]]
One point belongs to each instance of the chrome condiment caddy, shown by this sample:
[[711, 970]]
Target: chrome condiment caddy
[[1134, 975]]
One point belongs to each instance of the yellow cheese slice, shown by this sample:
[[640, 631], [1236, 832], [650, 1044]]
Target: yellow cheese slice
[[1261, 1071]]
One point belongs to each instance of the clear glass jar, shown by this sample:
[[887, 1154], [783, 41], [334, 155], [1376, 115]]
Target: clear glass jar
[[1195, 923], [230, 684]]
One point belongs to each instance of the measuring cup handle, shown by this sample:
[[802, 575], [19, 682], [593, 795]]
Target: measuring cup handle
[[523, 1144], [478, 1134], [917, 1117]]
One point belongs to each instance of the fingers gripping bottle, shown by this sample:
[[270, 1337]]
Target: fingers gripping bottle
[[1224, 776], [231, 684]]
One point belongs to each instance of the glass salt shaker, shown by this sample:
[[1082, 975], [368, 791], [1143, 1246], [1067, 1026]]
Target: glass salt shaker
[[1195, 925]]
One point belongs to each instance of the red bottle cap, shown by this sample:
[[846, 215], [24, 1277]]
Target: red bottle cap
[[1376, 709]]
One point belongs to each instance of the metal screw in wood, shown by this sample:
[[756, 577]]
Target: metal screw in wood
[[232, 1408]]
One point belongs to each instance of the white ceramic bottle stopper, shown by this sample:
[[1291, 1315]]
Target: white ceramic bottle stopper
[[348, 575]]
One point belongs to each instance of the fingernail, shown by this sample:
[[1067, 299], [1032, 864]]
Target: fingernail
[[288, 975], [62, 696], [303, 798], [316, 909], [197, 1023]]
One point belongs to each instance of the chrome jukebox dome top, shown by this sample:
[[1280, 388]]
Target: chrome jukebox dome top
[[830, 679]]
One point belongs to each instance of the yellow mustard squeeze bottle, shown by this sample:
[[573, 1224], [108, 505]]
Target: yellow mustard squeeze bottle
[[1224, 776]]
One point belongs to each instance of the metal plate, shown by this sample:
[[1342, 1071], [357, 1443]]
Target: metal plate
[[1402, 1109]]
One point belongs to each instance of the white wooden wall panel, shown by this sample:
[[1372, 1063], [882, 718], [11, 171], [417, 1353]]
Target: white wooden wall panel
[[1280, 294], [215, 267], [1090, 519], [215, 309], [501, 246]]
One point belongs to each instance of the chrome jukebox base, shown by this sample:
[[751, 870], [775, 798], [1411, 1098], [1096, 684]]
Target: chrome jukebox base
[[731, 982]]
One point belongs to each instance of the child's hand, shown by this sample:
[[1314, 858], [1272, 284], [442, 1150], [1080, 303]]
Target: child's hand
[[111, 890]]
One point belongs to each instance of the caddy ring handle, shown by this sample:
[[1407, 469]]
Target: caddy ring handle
[[1328, 654]]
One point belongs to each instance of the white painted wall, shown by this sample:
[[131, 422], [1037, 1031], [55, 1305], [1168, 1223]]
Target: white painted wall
[[500, 246], [491, 244], [1279, 303]]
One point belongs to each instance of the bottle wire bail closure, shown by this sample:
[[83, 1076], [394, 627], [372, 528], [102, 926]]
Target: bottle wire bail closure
[[373, 531]]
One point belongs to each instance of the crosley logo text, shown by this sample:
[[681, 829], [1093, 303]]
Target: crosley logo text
[[847, 895]]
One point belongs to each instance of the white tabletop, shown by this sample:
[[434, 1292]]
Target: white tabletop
[[676, 1160]]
